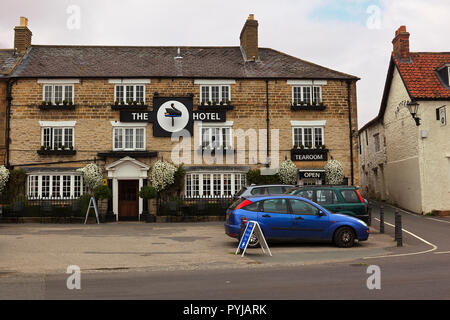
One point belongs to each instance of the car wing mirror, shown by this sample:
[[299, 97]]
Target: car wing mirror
[[321, 213]]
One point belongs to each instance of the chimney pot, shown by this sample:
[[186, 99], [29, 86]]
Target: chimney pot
[[23, 22]]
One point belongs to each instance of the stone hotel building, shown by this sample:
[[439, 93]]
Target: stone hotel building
[[118, 106]]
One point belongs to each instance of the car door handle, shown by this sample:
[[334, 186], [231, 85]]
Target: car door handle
[[266, 216], [299, 218]]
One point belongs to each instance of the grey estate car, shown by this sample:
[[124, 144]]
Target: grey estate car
[[256, 190]]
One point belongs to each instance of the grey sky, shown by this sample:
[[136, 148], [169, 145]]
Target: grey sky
[[332, 33]]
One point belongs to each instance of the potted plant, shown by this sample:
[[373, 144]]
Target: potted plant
[[116, 103], [49, 103], [71, 148], [130, 102], [302, 147], [295, 103], [48, 148], [209, 103], [122, 102], [135, 102], [222, 102], [42, 148], [142, 103], [295, 146], [214, 103], [65, 102], [102, 194], [70, 103], [44, 103], [302, 103], [149, 193], [57, 102], [202, 103], [63, 147]]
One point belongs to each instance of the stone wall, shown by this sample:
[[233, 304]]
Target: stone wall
[[93, 113]]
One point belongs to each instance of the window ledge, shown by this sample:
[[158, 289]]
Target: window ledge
[[124, 107], [217, 107], [308, 107], [57, 152], [57, 107], [215, 151], [114, 154]]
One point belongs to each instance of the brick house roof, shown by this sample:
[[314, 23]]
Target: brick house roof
[[419, 75], [197, 62]]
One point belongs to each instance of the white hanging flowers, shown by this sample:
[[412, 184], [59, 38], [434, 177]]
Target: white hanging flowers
[[162, 174], [92, 176], [4, 177], [334, 173], [288, 172]]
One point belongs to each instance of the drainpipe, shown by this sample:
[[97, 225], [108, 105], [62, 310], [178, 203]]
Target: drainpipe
[[351, 130], [9, 98], [267, 120]]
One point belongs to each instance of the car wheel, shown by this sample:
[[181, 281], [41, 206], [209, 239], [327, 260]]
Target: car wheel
[[345, 237], [253, 242]]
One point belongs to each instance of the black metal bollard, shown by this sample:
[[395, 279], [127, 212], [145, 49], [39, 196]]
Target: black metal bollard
[[398, 229], [369, 218], [382, 219]]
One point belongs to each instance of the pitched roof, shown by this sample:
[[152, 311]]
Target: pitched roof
[[420, 77], [7, 61], [197, 62]]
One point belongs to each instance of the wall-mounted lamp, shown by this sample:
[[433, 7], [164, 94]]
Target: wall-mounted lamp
[[413, 106]]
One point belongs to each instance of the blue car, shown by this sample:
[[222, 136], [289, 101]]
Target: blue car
[[285, 217]]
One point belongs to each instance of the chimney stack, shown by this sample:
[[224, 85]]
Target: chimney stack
[[22, 36], [249, 39], [401, 44]]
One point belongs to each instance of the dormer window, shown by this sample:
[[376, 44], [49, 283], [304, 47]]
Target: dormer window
[[444, 74]]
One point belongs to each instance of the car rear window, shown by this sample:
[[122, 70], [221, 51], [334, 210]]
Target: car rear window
[[252, 207], [240, 192], [308, 194], [258, 191], [350, 196], [326, 197], [275, 190], [275, 206]]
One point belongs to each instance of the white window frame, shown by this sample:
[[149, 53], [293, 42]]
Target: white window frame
[[124, 85], [57, 125], [233, 187], [63, 85], [34, 191], [311, 125], [302, 94], [210, 93], [123, 126], [226, 125]]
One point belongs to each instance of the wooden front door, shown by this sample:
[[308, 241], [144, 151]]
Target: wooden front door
[[128, 199]]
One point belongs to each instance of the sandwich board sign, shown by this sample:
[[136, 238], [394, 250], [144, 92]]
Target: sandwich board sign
[[92, 205], [253, 227]]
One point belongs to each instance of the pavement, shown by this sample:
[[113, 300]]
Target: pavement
[[38, 249], [197, 261]]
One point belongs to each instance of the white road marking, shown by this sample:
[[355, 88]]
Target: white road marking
[[443, 252], [406, 254], [438, 220]]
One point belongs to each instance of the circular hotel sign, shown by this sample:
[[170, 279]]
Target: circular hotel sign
[[172, 116]]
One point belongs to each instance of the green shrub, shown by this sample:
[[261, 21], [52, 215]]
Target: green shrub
[[255, 177], [148, 192], [102, 192]]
